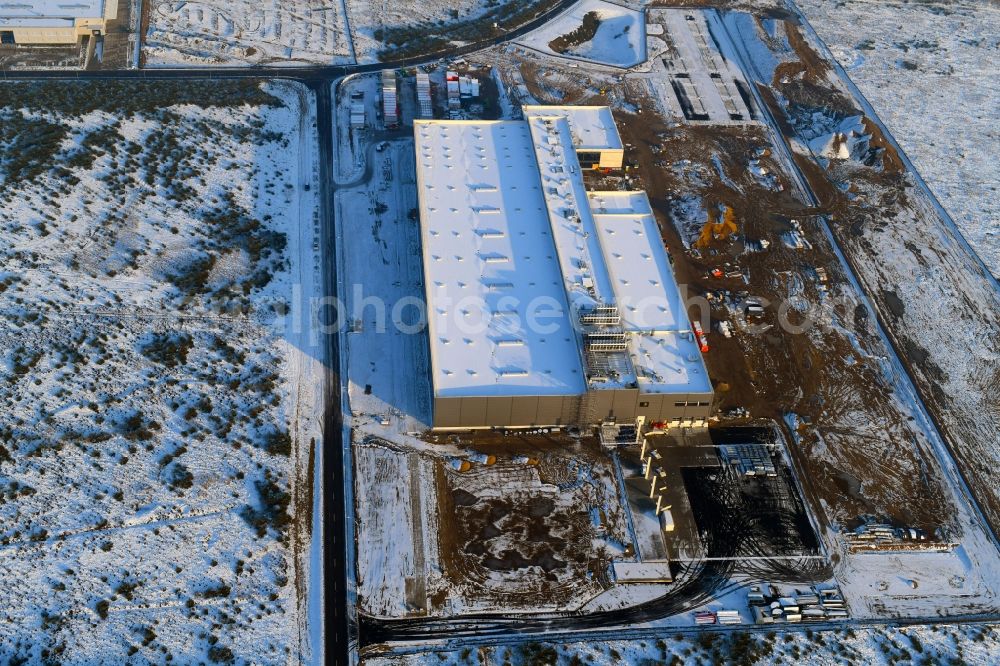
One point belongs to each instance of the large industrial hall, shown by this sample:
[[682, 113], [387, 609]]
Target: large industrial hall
[[52, 21], [548, 305]]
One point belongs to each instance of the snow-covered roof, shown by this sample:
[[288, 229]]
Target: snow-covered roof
[[507, 224], [592, 127], [489, 262], [579, 252], [663, 350], [36, 22], [50, 9]]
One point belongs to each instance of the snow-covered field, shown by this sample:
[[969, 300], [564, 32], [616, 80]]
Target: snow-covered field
[[371, 19], [155, 467], [320, 32], [385, 29], [244, 32], [386, 570], [620, 38], [930, 71], [964, 644]]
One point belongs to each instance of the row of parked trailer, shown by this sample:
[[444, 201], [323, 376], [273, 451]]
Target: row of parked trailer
[[771, 605], [718, 617], [458, 88]]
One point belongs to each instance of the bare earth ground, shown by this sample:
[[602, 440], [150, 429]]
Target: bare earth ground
[[526, 524], [155, 471], [533, 528], [863, 448], [944, 314], [849, 419]]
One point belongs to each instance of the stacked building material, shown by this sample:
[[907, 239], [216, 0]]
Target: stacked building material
[[390, 99], [454, 94], [880, 537], [729, 617], [704, 617], [357, 115], [424, 95], [468, 87]]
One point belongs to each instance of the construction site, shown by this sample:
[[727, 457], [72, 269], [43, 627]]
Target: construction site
[[412, 332], [734, 480], [594, 257], [821, 479]]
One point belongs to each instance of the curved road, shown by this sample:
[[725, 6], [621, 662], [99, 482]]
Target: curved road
[[696, 585]]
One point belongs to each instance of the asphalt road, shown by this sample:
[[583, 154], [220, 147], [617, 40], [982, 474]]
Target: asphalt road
[[336, 618], [556, 636]]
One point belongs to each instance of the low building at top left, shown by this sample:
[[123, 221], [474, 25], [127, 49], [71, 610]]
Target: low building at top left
[[53, 21]]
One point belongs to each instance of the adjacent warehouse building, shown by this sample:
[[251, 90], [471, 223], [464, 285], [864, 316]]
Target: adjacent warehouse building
[[595, 136], [547, 304], [53, 21]]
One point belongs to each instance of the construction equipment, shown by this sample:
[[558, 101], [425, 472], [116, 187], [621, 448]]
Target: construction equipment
[[716, 230], [699, 334]]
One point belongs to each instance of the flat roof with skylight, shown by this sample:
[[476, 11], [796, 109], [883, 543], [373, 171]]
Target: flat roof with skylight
[[507, 222], [565, 195], [662, 347], [592, 127], [489, 260]]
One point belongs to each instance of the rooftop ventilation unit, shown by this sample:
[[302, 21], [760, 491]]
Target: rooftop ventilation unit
[[508, 374], [602, 315], [607, 342]]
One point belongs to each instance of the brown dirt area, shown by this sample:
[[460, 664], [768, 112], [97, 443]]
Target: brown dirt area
[[875, 208], [65, 56], [859, 452], [856, 455], [519, 532]]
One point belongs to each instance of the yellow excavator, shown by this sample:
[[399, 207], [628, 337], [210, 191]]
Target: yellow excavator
[[715, 229]]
